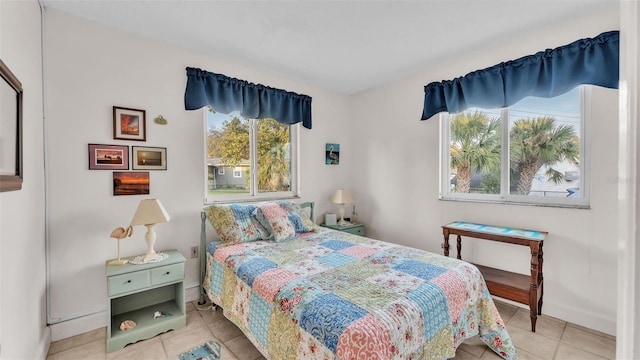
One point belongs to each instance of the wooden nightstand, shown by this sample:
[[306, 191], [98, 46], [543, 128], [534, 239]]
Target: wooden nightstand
[[357, 229], [136, 292]]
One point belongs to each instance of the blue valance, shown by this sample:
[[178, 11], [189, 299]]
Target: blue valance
[[254, 101], [546, 74]]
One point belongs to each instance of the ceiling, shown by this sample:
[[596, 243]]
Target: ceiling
[[344, 46]]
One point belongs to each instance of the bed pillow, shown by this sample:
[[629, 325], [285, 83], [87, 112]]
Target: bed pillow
[[235, 223], [301, 221], [275, 219]]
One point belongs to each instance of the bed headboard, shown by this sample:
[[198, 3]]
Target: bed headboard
[[306, 206]]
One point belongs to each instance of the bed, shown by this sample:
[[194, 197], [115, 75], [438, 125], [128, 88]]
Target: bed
[[300, 291]]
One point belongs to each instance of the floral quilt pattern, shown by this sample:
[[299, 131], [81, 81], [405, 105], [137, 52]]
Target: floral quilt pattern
[[334, 295]]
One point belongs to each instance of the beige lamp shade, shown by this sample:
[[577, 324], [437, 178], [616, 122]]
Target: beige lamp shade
[[150, 211], [341, 197]]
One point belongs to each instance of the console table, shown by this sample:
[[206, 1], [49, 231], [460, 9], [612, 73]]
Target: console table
[[508, 285]]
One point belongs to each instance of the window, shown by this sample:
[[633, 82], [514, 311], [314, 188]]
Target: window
[[532, 152], [261, 153]]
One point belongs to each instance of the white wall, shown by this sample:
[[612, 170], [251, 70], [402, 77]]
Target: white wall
[[89, 69], [397, 184], [23, 331]]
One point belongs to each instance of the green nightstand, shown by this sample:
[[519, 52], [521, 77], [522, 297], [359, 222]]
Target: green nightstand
[[357, 229], [136, 292]]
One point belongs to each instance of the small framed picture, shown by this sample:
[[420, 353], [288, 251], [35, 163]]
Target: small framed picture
[[108, 157], [129, 124], [332, 154], [149, 158], [130, 183]]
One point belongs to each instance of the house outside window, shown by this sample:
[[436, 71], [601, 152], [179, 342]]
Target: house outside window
[[259, 156], [533, 152]]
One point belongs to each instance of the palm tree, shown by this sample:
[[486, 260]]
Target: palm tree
[[538, 142], [475, 146]]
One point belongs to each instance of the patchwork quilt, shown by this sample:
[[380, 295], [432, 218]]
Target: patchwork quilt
[[334, 295]]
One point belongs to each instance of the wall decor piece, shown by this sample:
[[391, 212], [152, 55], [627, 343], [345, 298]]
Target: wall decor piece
[[130, 183], [108, 157], [149, 158], [332, 154], [10, 130], [129, 124]]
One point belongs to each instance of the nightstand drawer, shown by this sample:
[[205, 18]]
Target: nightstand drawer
[[356, 231], [166, 274], [120, 284]]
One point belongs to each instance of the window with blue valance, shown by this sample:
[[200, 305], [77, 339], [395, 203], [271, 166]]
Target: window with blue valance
[[546, 74], [255, 101]]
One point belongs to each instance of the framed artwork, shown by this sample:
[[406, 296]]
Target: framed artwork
[[149, 158], [130, 183], [10, 130], [332, 154], [129, 124], [108, 157]]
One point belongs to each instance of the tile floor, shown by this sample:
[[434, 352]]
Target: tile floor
[[553, 339]]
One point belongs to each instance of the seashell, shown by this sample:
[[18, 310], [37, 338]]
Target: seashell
[[127, 325]]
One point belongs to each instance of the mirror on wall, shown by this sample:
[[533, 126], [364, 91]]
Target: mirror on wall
[[10, 130]]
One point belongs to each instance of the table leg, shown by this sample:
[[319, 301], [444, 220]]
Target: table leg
[[533, 290], [540, 279], [459, 247], [446, 242]]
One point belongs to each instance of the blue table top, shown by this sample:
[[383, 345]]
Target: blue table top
[[506, 231]]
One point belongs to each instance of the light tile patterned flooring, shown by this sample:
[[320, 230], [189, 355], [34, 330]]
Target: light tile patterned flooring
[[553, 339]]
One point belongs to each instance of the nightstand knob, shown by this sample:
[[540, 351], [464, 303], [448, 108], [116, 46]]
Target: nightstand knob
[[128, 281], [168, 272]]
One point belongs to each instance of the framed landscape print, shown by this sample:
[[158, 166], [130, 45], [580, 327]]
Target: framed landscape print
[[130, 183], [129, 124], [108, 157], [149, 158]]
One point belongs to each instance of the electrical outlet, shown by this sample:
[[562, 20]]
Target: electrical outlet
[[195, 252]]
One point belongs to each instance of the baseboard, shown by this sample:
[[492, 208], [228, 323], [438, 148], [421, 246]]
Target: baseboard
[[82, 324], [77, 326], [577, 316], [43, 347], [192, 293], [573, 315]]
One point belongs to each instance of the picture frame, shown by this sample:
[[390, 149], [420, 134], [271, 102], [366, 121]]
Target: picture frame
[[332, 154], [11, 102], [129, 124], [130, 183], [148, 158], [108, 157]]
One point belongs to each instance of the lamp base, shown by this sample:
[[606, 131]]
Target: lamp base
[[118, 262], [151, 258]]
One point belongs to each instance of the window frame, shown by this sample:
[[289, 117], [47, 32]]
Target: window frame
[[583, 201], [254, 194]]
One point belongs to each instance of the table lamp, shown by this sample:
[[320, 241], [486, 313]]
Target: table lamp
[[149, 213], [341, 197]]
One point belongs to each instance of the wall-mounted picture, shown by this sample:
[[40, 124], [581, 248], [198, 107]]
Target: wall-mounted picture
[[149, 158], [130, 183], [129, 124], [108, 157], [332, 154]]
